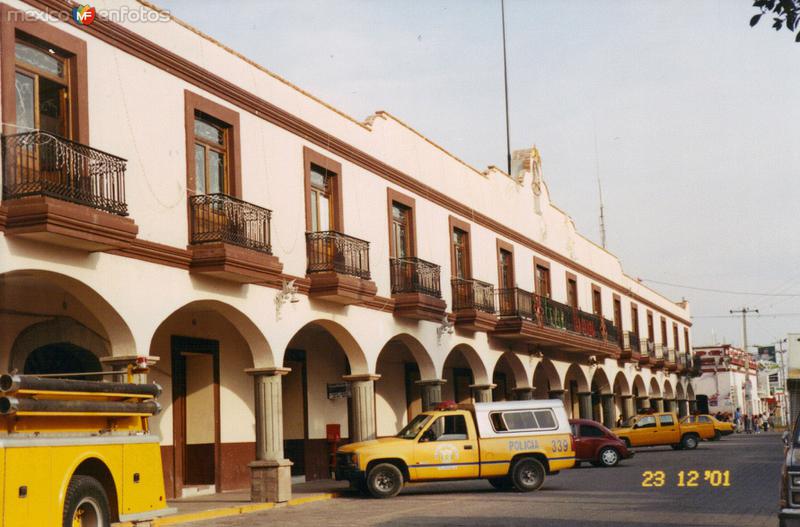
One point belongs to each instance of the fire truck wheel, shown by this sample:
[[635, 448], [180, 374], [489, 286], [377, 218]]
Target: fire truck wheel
[[86, 504], [384, 481], [527, 474]]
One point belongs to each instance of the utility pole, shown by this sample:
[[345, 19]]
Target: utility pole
[[505, 78], [744, 311], [600, 191]]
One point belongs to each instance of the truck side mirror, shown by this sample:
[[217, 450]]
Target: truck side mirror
[[785, 437]]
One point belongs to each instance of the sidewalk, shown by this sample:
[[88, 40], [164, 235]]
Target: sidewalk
[[238, 502]]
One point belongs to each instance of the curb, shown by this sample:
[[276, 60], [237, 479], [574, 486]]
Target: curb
[[225, 512]]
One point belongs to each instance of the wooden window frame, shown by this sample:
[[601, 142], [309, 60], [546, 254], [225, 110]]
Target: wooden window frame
[[686, 340], [312, 157], [615, 299], [597, 289], [664, 335], [635, 320], [505, 246], [392, 197], [675, 335], [571, 278], [539, 262], [15, 25], [455, 223], [651, 326], [194, 104]]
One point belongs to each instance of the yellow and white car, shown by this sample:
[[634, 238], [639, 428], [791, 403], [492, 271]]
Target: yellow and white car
[[721, 428], [512, 443]]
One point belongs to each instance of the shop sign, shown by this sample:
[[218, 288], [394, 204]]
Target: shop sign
[[338, 390]]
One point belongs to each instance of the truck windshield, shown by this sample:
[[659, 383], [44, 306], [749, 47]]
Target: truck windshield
[[412, 429]]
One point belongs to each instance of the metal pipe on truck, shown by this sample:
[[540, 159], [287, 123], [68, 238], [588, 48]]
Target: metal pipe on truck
[[12, 405], [14, 383]]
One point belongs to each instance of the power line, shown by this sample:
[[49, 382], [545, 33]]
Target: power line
[[721, 291], [761, 315]]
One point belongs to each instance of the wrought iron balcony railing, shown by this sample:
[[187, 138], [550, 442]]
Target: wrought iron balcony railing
[[42, 164], [555, 314], [223, 218], [472, 294], [633, 339], [613, 333], [413, 275], [333, 251], [515, 302], [588, 324]]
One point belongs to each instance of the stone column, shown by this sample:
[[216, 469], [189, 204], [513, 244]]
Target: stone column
[[628, 409], [482, 393], [657, 403], [270, 473], [643, 403], [556, 394], [609, 410], [523, 394], [431, 391], [121, 363], [585, 405], [362, 392], [683, 407]]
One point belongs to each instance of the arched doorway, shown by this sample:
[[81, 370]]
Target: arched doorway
[[680, 395], [623, 401], [205, 347], [326, 366], [641, 401], [656, 401], [402, 364], [509, 379], [603, 410], [546, 383], [467, 380], [62, 358], [577, 395], [669, 397]]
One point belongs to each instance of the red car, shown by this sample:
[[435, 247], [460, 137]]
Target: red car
[[597, 444]]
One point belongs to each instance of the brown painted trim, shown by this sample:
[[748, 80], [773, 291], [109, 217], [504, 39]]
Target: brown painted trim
[[134, 44], [539, 262], [455, 223], [312, 157], [570, 278], [675, 337], [651, 326], [392, 196], [504, 246], [12, 23], [196, 103]]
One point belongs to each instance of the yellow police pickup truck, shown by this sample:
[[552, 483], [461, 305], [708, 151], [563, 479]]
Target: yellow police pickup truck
[[511, 444], [78, 453], [663, 428]]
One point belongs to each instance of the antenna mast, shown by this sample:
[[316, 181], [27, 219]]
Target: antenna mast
[[600, 191]]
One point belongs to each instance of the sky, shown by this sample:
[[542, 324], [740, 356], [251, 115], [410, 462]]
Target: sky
[[687, 114]]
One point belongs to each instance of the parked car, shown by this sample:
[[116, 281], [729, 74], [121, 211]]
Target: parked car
[[721, 428], [597, 444], [511, 444], [663, 428], [789, 515]]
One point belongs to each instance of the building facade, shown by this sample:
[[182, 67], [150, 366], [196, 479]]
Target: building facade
[[729, 380], [292, 276]]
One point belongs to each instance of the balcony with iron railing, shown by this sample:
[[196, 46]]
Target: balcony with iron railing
[[231, 239], [540, 319], [47, 178], [473, 304], [631, 345], [646, 350], [338, 267], [223, 218], [416, 289]]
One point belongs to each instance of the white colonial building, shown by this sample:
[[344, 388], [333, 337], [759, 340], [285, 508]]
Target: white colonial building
[[729, 380], [290, 274]]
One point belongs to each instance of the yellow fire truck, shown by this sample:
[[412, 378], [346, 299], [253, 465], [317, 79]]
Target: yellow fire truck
[[78, 453]]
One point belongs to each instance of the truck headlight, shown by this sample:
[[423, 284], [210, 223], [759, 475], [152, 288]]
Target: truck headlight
[[354, 459]]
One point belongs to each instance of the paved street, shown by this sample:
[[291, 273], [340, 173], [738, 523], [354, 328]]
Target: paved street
[[585, 496]]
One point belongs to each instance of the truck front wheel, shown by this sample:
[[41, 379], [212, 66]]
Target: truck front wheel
[[384, 480], [85, 504], [689, 441], [527, 475]]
